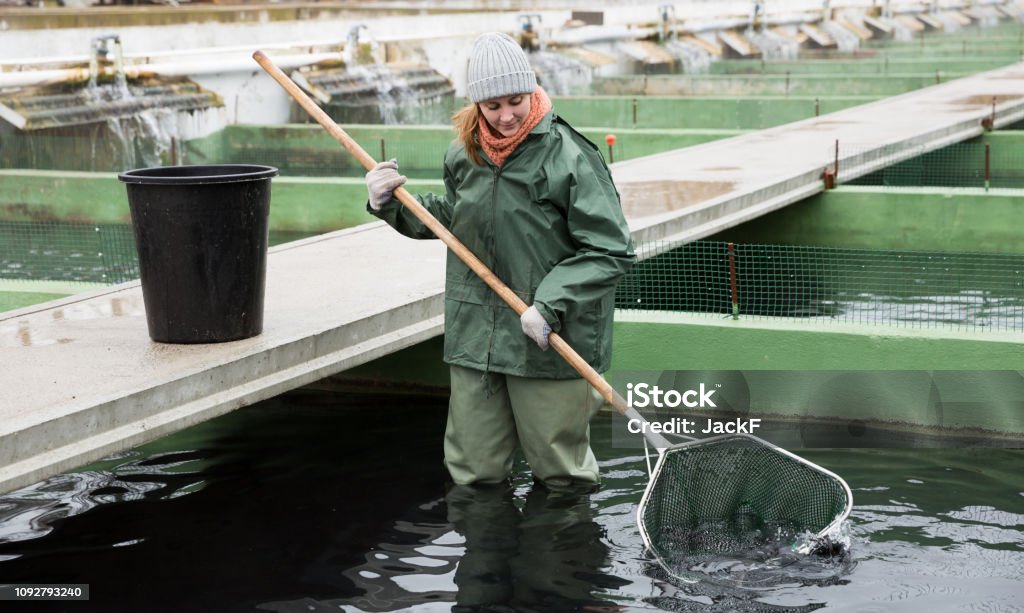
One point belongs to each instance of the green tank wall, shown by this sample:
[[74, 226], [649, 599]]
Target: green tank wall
[[881, 64], [921, 219], [751, 112], [298, 204], [699, 343], [309, 151], [769, 85], [937, 218], [668, 342]]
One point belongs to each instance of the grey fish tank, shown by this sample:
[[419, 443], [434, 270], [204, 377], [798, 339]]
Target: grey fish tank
[[316, 501]]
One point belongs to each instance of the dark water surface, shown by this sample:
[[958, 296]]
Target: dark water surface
[[320, 502]]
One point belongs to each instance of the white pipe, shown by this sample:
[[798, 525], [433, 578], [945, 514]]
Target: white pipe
[[42, 77], [150, 56], [168, 69]]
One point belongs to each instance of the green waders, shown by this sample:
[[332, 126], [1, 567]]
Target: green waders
[[489, 414]]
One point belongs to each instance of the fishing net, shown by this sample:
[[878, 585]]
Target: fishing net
[[733, 493]]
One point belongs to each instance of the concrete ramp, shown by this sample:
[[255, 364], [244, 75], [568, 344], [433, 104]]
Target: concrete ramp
[[81, 379], [818, 36], [931, 21], [739, 45], [861, 32], [962, 19], [911, 23], [878, 26], [713, 48]]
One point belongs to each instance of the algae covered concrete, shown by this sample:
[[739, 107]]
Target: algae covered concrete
[[686, 341], [309, 151], [660, 342], [66, 196], [921, 219], [877, 85], [298, 204], [878, 374], [881, 64], [720, 111], [16, 293]]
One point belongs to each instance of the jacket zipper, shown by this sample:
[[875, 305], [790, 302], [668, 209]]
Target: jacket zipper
[[496, 170]]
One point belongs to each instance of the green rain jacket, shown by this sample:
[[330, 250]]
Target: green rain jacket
[[550, 225]]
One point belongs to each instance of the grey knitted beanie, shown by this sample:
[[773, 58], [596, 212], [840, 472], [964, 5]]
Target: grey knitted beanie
[[498, 67]]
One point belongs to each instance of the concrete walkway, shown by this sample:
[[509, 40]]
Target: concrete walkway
[[80, 378], [694, 192]]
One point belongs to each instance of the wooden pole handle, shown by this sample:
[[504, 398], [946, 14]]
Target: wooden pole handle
[[554, 340]]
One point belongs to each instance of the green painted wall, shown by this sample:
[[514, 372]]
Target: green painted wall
[[921, 219], [15, 294], [659, 342], [711, 112], [764, 85], [698, 343], [1005, 38], [681, 341], [307, 150], [1003, 138], [296, 203], [73, 197], [939, 219], [16, 300], [880, 64], [321, 205]]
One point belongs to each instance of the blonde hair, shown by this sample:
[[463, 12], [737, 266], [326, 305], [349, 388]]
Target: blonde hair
[[467, 125]]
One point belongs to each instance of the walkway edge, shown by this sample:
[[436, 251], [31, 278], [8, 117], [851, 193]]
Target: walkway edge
[[158, 423]]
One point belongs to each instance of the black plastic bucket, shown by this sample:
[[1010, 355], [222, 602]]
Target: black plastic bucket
[[201, 234]]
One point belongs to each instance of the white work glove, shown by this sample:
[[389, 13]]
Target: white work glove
[[535, 327], [382, 181]]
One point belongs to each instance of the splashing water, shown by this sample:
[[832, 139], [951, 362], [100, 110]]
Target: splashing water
[[774, 46], [144, 137], [846, 41], [694, 59], [561, 75], [901, 32], [754, 554]]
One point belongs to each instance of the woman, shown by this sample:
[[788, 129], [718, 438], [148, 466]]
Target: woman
[[533, 199]]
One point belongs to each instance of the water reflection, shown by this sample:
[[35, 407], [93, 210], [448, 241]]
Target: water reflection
[[491, 548], [549, 555], [32, 512], [295, 505]]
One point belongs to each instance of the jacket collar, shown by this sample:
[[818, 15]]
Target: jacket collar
[[544, 125]]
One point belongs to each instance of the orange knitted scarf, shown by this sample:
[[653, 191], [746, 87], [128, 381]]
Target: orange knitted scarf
[[499, 147]]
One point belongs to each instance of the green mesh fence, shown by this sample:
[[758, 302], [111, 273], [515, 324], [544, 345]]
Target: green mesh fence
[[92, 253], [904, 288], [974, 164], [53, 251], [901, 288]]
